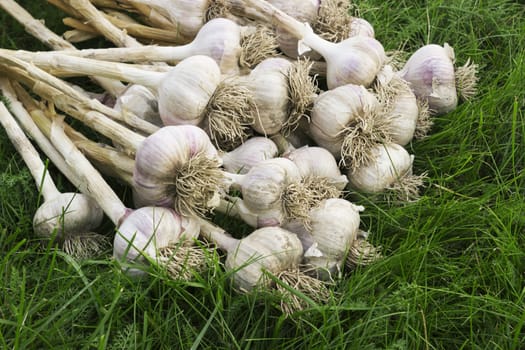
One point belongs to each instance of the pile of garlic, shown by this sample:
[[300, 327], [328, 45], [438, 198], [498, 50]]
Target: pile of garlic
[[272, 112]]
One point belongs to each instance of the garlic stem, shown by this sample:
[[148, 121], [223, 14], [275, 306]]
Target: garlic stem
[[218, 236], [38, 29], [30, 155], [78, 106], [25, 120], [89, 180]]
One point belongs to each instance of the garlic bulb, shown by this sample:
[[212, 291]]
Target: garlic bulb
[[361, 27], [362, 252], [319, 162], [331, 228], [178, 167], [347, 121], [140, 101], [67, 217], [268, 250], [251, 152], [400, 106], [390, 169], [156, 234], [282, 91], [431, 73], [274, 192]]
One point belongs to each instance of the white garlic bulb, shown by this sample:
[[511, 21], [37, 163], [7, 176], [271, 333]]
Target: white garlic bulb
[[328, 235], [347, 121], [319, 162], [360, 26], [269, 85], [389, 169], [251, 152], [140, 101], [430, 72], [145, 232], [178, 166]]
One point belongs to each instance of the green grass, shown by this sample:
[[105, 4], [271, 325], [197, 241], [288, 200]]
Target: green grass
[[454, 268]]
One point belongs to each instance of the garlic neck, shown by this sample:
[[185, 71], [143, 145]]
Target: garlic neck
[[218, 236]]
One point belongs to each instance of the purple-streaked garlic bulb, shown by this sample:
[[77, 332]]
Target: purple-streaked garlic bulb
[[361, 27], [178, 167], [433, 78]]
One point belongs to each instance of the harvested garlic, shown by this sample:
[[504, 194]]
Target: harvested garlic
[[68, 218], [389, 170], [347, 121], [268, 250], [140, 101], [318, 162], [178, 167], [433, 78], [328, 234]]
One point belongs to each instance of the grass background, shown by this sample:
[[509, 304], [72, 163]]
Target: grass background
[[454, 267]]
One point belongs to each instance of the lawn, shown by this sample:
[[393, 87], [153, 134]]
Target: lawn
[[453, 272]]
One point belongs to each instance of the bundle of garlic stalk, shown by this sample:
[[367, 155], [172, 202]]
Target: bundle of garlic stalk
[[149, 234], [65, 218]]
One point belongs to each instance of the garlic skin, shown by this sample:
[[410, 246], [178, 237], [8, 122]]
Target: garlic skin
[[269, 85], [332, 227], [391, 162], [184, 92], [67, 214], [140, 101], [269, 248], [430, 72], [170, 153], [361, 27], [319, 162], [248, 154], [400, 105], [146, 230]]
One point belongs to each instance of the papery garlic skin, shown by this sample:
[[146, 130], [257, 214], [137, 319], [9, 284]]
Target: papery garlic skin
[[319, 162], [66, 215], [271, 249], [144, 231], [161, 156], [140, 101], [332, 227], [269, 84], [248, 154], [184, 92], [390, 163], [430, 72]]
